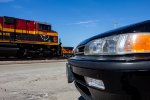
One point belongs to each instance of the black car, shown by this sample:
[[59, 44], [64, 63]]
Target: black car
[[114, 65]]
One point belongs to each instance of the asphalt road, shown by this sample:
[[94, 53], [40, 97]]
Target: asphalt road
[[35, 81]]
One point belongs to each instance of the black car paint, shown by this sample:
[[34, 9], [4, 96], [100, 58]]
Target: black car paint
[[138, 27], [126, 77]]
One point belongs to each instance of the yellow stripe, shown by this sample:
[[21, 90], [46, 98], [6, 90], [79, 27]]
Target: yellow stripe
[[18, 31], [35, 42], [29, 32], [48, 33], [25, 31], [4, 40], [8, 30]]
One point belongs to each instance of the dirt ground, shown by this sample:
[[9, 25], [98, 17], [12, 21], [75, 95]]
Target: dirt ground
[[35, 81]]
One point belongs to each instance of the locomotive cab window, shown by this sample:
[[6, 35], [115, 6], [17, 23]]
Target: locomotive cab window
[[49, 27], [44, 27], [9, 20]]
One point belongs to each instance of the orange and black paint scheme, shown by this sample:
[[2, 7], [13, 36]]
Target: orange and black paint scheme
[[67, 52], [22, 38]]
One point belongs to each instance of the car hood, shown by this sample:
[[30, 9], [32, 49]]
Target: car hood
[[133, 28]]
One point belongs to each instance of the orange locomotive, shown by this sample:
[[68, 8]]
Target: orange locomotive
[[24, 38], [67, 51]]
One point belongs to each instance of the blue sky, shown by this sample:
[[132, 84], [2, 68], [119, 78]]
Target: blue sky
[[76, 20]]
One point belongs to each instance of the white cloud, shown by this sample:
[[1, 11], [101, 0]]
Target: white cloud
[[5, 1], [85, 22]]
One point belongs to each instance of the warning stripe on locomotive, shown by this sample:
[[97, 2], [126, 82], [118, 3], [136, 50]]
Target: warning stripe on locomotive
[[29, 32]]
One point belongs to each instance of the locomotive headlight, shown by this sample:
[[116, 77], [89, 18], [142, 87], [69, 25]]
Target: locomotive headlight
[[119, 44]]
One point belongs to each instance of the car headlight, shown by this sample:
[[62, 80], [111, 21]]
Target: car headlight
[[119, 44]]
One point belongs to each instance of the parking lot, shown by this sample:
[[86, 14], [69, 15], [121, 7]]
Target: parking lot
[[35, 81]]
